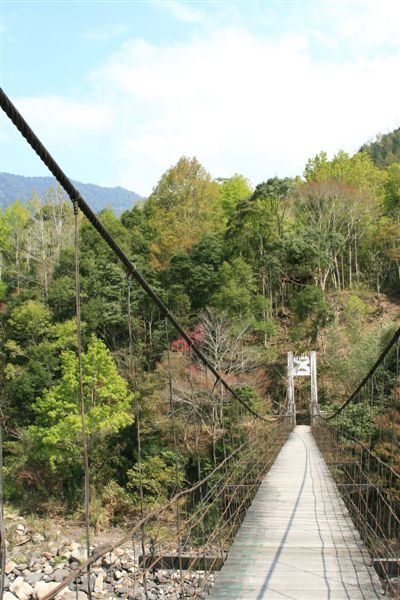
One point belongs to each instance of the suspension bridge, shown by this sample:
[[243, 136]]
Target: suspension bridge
[[279, 510]]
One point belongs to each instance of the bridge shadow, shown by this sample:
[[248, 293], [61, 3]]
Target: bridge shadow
[[313, 472], [278, 553]]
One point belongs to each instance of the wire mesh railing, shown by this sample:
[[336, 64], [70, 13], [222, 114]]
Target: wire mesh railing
[[227, 442], [360, 443]]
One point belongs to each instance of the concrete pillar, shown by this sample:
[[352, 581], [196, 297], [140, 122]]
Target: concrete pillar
[[314, 389], [291, 405]]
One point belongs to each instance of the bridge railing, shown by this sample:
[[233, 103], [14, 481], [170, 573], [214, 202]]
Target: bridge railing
[[230, 444], [360, 441]]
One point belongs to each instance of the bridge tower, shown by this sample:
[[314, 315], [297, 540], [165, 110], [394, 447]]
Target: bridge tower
[[302, 366]]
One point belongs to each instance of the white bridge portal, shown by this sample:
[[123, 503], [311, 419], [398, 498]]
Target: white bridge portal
[[304, 365]]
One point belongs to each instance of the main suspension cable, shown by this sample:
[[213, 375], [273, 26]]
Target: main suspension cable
[[74, 195], [370, 373]]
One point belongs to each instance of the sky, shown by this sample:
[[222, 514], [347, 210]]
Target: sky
[[118, 91]]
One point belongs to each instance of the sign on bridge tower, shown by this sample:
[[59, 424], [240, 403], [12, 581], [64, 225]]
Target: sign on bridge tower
[[302, 366]]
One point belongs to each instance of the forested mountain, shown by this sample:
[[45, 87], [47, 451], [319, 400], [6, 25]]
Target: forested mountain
[[311, 262], [18, 187], [385, 150]]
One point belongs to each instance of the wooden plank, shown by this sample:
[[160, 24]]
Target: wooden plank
[[297, 540]]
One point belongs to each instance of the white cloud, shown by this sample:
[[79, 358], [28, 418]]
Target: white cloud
[[255, 103], [64, 121], [102, 34], [180, 10], [369, 24], [240, 102]]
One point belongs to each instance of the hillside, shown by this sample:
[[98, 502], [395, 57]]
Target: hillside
[[385, 150], [15, 187]]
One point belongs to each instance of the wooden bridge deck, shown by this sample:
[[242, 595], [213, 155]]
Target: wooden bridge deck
[[297, 540]]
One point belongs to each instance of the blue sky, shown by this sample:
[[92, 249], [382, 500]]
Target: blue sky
[[118, 91]]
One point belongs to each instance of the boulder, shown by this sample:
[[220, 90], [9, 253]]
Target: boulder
[[60, 574], [33, 578], [78, 556], [21, 589], [9, 596], [109, 559], [99, 583], [9, 567], [42, 588], [74, 546]]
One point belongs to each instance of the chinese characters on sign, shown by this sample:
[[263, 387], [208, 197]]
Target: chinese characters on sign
[[301, 366]]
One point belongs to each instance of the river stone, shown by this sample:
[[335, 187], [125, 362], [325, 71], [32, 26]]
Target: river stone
[[161, 578], [83, 585], [60, 574], [74, 596], [33, 578], [21, 589], [99, 583], [37, 538], [74, 546], [9, 567], [36, 567], [109, 559], [42, 588], [9, 596]]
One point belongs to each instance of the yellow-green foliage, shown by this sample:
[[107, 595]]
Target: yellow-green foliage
[[158, 478], [355, 310], [56, 436]]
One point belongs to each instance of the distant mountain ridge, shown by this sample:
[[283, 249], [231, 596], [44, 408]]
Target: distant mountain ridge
[[19, 187]]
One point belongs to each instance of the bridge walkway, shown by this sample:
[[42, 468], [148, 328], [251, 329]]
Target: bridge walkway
[[297, 540]]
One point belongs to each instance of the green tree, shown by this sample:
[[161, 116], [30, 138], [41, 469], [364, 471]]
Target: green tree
[[275, 196], [232, 191], [385, 150], [236, 287], [311, 305], [13, 245], [184, 205], [56, 434], [30, 322], [392, 191], [357, 171]]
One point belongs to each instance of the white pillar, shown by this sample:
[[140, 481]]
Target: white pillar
[[291, 406], [314, 389]]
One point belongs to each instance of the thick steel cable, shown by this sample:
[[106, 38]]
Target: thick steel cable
[[365, 449], [81, 403], [149, 517], [253, 464], [370, 373], [32, 139], [379, 521], [74, 195], [155, 513]]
